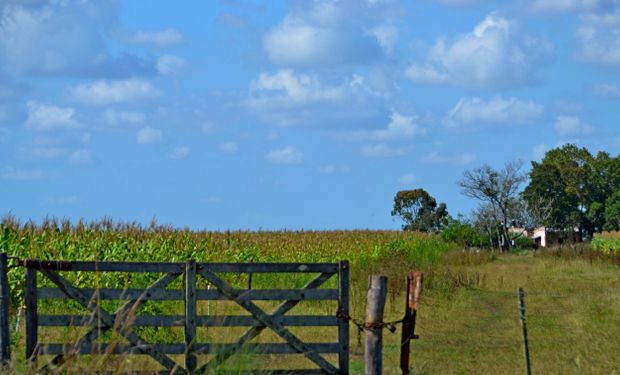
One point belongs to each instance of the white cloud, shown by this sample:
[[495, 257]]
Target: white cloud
[[49, 117], [606, 90], [400, 127], [229, 148], [598, 38], [165, 38], [286, 98], [570, 126], [332, 33], [149, 135], [81, 157], [495, 54], [382, 150], [102, 92], [290, 89], [498, 110], [456, 159], [562, 6], [407, 179], [17, 174], [168, 64], [61, 38], [286, 156], [180, 152], [114, 117]]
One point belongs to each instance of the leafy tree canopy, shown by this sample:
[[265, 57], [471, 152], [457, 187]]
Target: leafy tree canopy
[[419, 210]]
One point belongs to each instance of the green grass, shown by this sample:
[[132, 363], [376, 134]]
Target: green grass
[[467, 319]]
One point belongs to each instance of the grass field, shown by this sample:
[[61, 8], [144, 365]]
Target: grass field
[[467, 319]]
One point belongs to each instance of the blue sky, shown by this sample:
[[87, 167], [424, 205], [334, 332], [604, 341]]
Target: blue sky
[[289, 114]]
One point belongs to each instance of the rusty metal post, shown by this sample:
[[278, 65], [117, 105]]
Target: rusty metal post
[[411, 308]]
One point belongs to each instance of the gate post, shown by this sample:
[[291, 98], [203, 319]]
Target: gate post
[[377, 293], [32, 324], [190, 316], [343, 312], [5, 341]]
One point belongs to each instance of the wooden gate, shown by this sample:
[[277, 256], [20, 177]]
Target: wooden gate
[[99, 320]]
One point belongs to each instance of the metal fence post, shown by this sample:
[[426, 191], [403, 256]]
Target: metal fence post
[[526, 349], [377, 294], [190, 316], [5, 340]]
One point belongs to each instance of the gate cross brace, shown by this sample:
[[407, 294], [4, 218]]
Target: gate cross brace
[[279, 311], [267, 320], [108, 319]]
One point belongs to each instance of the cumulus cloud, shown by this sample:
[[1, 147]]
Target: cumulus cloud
[[563, 6], [571, 126], [288, 98], [63, 39], [285, 156], [164, 38], [435, 157], [598, 38], [382, 150], [321, 33], [168, 64], [498, 110], [400, 127], [115, 118], [49, 117], [180, 152], [102, 92], [229, 148], [148, 135], [495, 54]]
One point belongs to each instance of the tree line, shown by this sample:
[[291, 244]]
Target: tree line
[[570, 191]]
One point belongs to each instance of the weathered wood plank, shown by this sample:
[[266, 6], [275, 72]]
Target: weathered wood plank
[[201, 320], [190, 317], [279, 311], [94, 266], [31, 316], [343, 311], [270, 322], [269, 267], [84, 300], [202, 294], [176, 349]]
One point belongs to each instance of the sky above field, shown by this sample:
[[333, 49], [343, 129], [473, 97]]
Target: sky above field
[[289, 114]]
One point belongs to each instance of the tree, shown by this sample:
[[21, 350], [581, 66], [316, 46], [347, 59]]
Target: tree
[[577, 184], [612, 212], [419, 210], [499, 189]]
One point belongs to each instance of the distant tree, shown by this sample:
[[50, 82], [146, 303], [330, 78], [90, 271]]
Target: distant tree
[[577, 185], [419, 210], [612, 212], [498, 190]]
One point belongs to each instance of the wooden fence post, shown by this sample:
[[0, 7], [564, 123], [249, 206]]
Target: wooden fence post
[[377, 294], [343, 311], [5, 341], [32, 325], [411, 308], [526, 349], [190, 316]]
